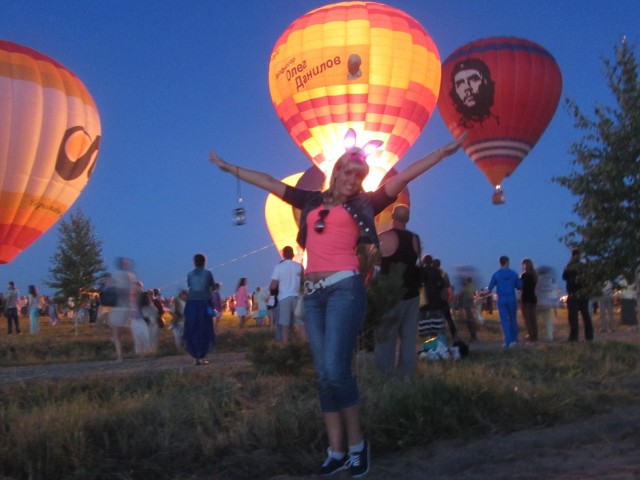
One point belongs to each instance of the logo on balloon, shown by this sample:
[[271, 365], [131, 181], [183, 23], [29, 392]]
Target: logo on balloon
[[472, 92], [77, 152]]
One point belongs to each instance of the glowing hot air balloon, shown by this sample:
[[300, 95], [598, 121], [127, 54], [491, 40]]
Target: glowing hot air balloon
[[281, 222], [49, 141], [504, 91], [359, 65]]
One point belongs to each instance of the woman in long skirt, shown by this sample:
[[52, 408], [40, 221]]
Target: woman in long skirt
[[199, 336]]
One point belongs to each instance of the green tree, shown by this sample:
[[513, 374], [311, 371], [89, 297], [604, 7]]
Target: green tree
[[77, 263], [606, 177]]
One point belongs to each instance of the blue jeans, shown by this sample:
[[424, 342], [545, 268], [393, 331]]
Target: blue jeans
[[333, 317], [12, 319], [508, 311]]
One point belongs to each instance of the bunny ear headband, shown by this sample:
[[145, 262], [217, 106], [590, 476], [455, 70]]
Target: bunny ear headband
[[368, 148]]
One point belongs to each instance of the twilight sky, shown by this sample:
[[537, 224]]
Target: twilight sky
[[173, 79]]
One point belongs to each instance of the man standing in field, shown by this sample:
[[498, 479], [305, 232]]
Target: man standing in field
[[11, 308], [400, 328], [578, 300], [506, 282], [286, 279]]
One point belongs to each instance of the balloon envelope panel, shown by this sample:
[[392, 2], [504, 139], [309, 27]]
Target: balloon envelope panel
[[49, 140]]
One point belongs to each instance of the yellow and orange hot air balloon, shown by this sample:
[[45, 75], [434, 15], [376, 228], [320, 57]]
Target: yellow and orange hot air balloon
[[359, 65], [49, 141]]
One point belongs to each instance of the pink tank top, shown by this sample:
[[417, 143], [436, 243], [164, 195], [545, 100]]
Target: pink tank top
[[335, 248]]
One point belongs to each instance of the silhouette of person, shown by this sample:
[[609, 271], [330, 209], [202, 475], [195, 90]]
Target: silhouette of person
[[577, 301], [400, 332], [529, 300]]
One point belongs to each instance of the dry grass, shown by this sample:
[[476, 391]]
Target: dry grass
[[256, 422]]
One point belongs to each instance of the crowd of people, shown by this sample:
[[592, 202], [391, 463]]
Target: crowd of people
[[534, 292]]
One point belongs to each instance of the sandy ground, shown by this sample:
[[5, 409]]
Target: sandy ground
[[606, 446]]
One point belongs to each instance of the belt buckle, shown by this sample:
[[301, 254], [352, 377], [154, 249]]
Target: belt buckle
[[308, 287]]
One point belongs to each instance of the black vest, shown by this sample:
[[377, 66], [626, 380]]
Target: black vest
[[406, 255]]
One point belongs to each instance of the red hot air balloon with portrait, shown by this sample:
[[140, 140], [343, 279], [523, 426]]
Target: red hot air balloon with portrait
[[359, 65], [504, 92], [49, 141]]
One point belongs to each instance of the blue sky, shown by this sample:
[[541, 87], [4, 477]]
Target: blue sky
[[174, 79]]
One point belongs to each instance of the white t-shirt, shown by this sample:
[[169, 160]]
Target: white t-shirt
[[287, 273]]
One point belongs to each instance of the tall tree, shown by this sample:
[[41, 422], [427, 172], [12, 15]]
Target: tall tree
[[77, 263], [606, 177]]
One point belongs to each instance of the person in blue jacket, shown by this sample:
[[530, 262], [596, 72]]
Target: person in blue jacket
[[506, 281]]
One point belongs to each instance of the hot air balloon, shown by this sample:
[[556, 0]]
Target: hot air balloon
[[359, 65], [49, 141], [281, 222], [504, 91], [282, 219]]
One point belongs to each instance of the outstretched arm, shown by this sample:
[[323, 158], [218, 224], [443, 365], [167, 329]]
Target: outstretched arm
[[398, 182], [259, 179]]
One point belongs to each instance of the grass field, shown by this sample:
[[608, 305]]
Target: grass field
[[262, 420]]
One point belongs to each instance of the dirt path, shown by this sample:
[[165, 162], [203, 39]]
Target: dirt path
[[127, 367], [604, 447]]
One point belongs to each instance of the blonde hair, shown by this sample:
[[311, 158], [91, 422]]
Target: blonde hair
[[354, 157]]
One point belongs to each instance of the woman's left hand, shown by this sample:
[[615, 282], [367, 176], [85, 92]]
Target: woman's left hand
[[452, 147]]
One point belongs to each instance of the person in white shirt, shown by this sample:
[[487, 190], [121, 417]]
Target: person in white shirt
[[287, 278]]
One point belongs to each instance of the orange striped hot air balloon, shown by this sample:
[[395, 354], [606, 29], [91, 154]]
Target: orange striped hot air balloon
[[504, 92], [49, 141], [359, 65]]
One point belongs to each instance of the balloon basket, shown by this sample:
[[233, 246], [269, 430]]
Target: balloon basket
[[498, 196]]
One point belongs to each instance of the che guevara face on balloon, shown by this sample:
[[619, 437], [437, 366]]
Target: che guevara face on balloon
[[472, 92]]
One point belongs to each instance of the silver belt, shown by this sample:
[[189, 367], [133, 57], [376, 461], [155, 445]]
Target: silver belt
[[310, 287]]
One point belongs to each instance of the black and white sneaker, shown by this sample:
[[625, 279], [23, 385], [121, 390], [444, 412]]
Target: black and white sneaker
[[332, 465], [359, 462]]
